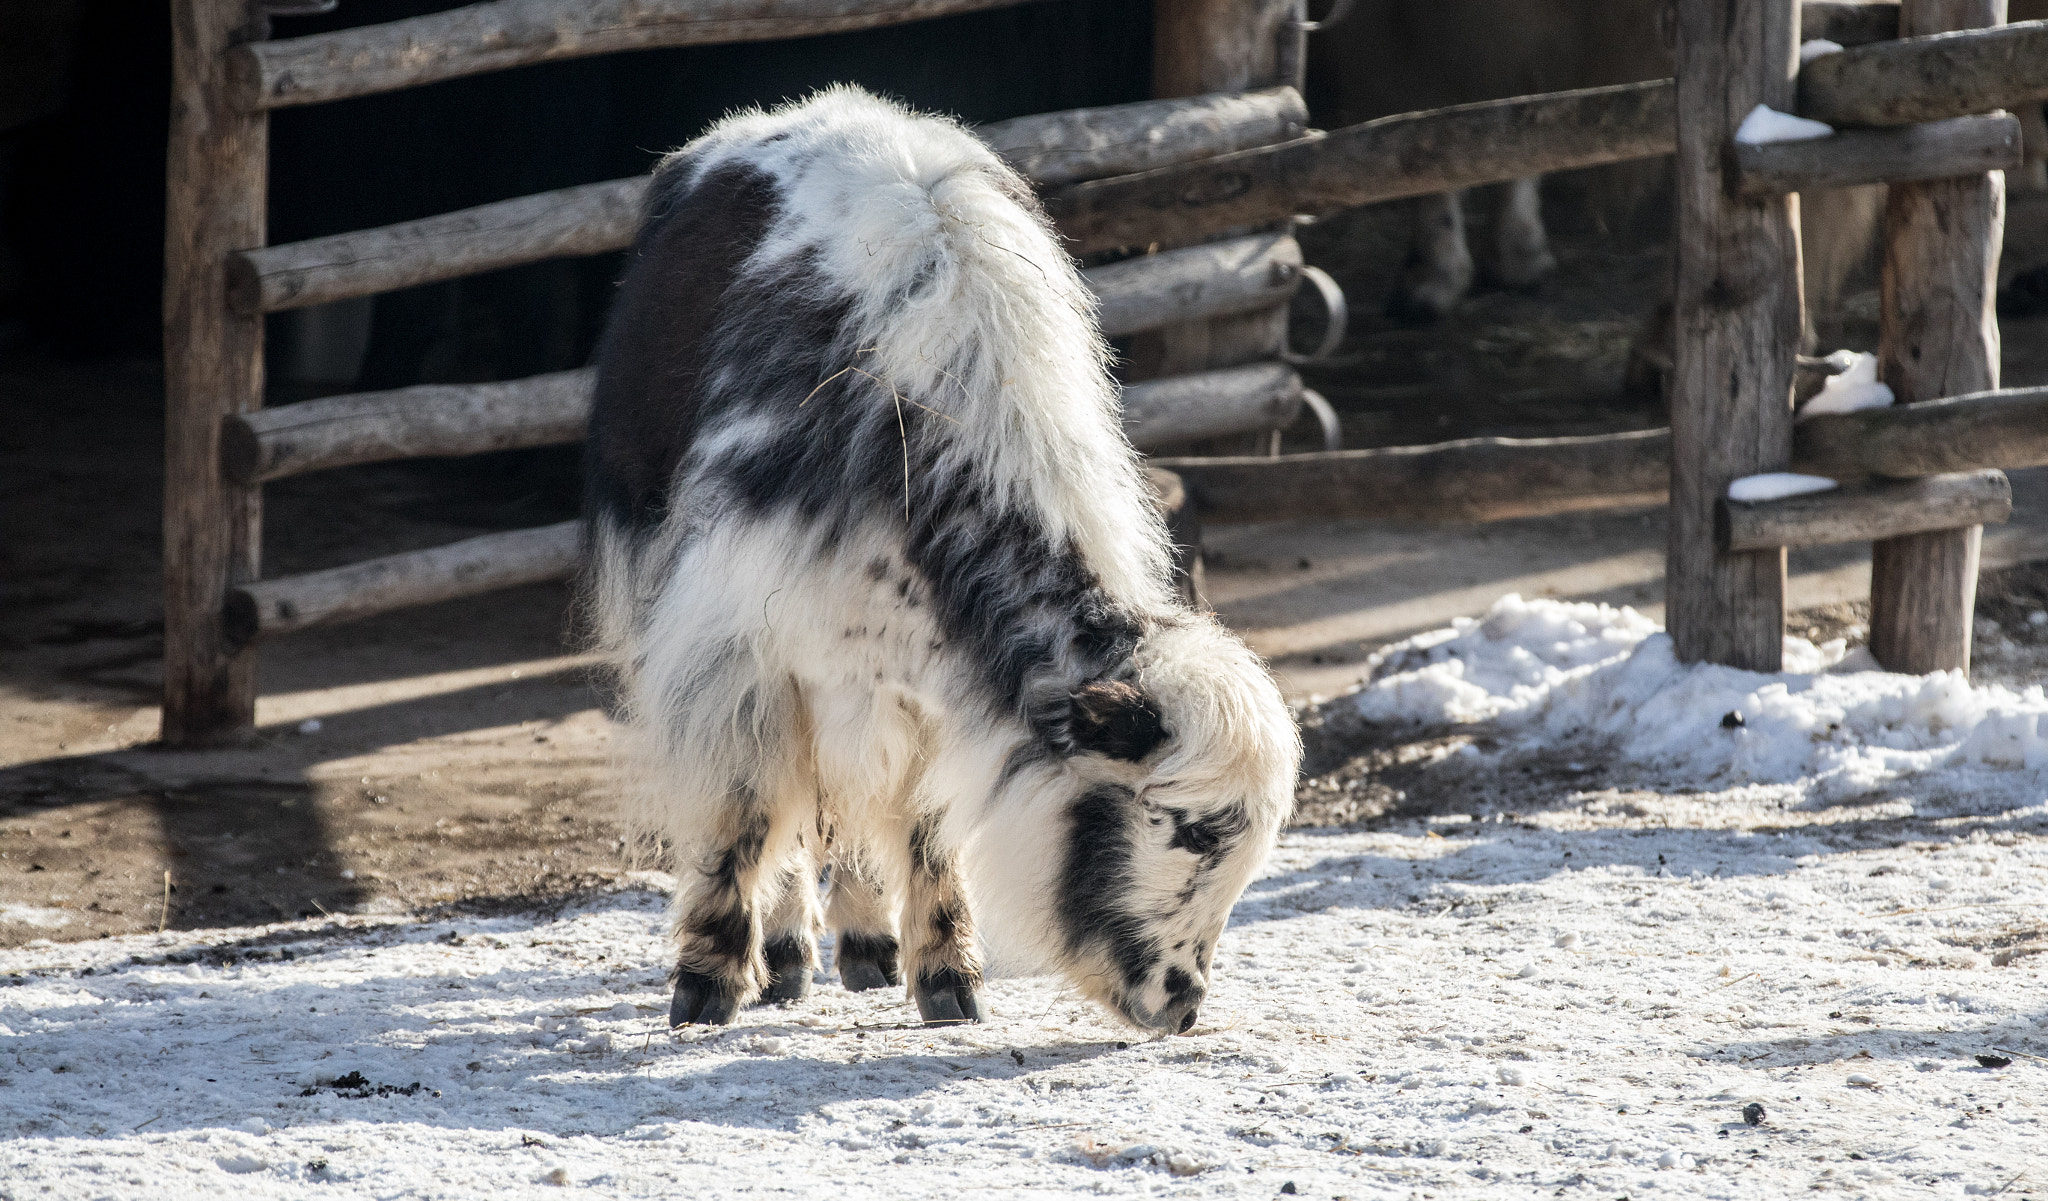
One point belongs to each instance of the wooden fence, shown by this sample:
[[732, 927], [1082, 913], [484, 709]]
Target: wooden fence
[[1227, 72], [1223, 151]]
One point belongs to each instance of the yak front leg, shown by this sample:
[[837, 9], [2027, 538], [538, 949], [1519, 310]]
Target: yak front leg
[[718, 927], [1439, 270], [859, 910], [938, 935]]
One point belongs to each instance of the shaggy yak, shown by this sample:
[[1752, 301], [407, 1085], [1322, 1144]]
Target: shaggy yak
[[884, 590]]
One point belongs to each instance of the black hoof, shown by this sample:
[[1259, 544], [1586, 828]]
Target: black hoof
[[867, 961], [789, 970], [700, 1000], [946, 998]]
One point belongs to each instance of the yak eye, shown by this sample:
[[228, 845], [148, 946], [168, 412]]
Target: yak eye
[[1199, 838]]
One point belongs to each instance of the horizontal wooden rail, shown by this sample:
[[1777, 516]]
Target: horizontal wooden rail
[[1216, 279], [429, 420], [1889, 509], [1241, 275], [1211, 404], [517, 33], [1413, 154], [1911, 80], [1936, 150], [1849, 22], [1123, 139], [467, 568], [590, 219], [600, 217], [1469, 479], [2007, 428]]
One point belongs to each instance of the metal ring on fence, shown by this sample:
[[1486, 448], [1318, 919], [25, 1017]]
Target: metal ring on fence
[[1333, 430], [1337, 316]]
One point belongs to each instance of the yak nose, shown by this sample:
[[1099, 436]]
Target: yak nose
[[1184, 1003]]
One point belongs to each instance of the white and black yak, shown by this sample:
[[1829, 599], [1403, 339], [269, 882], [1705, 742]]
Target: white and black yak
[[884, 588]]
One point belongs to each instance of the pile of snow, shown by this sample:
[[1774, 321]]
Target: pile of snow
[[1776, 485], [1765, 124], [1853, 386], [1551, 671]]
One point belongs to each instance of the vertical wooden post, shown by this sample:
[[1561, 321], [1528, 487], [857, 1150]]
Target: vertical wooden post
[[1939, 337], [213, 366], [1737, 315], [1203, 46]]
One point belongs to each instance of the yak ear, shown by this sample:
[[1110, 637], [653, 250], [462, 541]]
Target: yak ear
[[1115, 719]]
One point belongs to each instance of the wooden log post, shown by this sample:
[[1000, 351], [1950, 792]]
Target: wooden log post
[[1737, 316], [1938, 336], [1849, 22], [1203, 46], [213, 366]]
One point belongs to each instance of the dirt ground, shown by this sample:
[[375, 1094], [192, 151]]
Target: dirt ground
[[455, 756]]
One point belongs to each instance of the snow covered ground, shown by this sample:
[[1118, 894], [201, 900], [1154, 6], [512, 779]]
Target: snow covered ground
[[1576, 998]]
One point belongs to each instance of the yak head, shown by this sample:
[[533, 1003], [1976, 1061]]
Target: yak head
[[1116, 856]]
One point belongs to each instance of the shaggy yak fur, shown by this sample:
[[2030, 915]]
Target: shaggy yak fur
[[884, 590]]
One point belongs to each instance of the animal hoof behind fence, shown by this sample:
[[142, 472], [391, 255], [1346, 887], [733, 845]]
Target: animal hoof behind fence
[[700, 1001], [867, 961], [789, 971], [945, 998]]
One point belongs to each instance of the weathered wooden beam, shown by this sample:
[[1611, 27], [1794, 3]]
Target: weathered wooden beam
[[1849, 22], [516, 33], [1737, 319], [1249, 274], [2007, 428], [216, 200], [1409, 155], [1210, 404], [1201, 46], [468, 568], [1079, 144], [1928, 78], [1937, 336], [1887, 509], [1217, 279], [1936, 150], [1473, 478], [432, 419], [590, 219], [600, 217]]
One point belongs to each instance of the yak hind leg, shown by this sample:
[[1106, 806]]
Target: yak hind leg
[[790, 939], [938, 936], [867, 952], [719, 962]]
